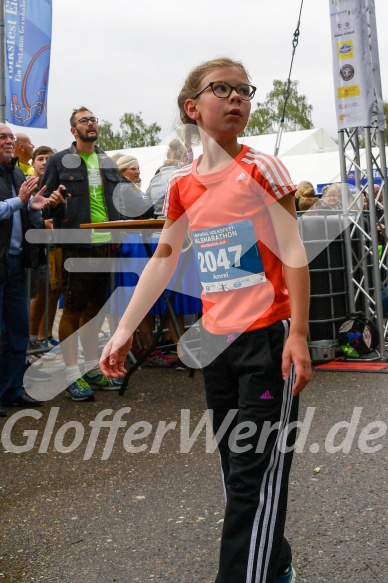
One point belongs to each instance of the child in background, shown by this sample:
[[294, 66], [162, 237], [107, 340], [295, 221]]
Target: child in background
[[305, 196], [240, 208], [38, 324]]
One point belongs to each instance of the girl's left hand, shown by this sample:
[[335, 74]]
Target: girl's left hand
[[296, 352]]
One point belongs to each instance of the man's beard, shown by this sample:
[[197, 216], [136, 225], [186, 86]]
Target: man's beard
[[86, 138]]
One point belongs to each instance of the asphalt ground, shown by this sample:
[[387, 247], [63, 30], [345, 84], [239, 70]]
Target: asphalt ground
[[155, 515]]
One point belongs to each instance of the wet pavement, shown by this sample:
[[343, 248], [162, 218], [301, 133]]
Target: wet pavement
[[83, 505]]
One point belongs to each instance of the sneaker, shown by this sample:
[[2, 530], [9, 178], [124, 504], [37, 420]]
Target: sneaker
[[289, 576], [158, 359], [181, 365], [51, 342], [100, 381], [39, 345], [35, 345], [80, 391], [51, 354]]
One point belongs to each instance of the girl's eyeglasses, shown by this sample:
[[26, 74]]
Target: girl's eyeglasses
[[222, 89]]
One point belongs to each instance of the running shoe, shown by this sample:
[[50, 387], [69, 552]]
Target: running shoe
[[99, 381], [158, 359], [80, 391], [181, 365], [289, 576]]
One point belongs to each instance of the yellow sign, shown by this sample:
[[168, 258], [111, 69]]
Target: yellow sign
[[349, 91]]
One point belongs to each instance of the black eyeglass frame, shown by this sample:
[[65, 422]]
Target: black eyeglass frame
[[86, 120], [231, 87]]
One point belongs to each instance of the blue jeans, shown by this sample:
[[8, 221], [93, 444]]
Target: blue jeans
[[14, 330]]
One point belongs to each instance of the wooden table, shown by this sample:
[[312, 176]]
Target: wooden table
[[155, 224]]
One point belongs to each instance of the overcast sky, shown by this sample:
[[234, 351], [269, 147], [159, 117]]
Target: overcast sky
[[121, 56]]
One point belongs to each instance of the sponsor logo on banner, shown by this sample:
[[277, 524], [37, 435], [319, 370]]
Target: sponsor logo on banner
[[345, 50], [347, 72], [349, 91]]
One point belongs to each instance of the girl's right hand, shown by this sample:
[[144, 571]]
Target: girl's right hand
[[114, 355]]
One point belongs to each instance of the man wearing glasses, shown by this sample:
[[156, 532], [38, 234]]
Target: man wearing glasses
[[18, 212], [85, 186]]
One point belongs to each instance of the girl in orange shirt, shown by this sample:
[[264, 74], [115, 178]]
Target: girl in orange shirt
[[239, 206]]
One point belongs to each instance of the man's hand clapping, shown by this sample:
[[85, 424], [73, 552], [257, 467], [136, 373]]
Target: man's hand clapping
[[39, 202], [27, 189]]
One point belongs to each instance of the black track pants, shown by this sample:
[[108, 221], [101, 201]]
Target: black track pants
[[256, 449]]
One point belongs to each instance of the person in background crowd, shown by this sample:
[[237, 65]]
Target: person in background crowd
[[94, 186], [23, 150], [18, 212], [53, 262], [130, 169], [305, 196], [176, 158], [331, 198]]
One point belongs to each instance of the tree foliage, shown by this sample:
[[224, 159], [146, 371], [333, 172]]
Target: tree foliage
[[133, 133], [265, 119], [361, 137], [107, 138], [386, 121]]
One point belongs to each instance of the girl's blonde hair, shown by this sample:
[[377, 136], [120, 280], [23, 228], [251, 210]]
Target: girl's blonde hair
[[193, 84]]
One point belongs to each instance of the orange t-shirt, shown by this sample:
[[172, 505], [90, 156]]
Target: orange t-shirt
[[234, 241]]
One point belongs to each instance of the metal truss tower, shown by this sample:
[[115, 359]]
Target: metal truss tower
[[367, 261]]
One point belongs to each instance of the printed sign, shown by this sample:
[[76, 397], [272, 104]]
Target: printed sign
[[27, 56], [356, 70]]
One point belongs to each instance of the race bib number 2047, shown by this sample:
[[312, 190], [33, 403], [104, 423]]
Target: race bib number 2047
[[228, 257]]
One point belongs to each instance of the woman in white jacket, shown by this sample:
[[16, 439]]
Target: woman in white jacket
[[177, 156]]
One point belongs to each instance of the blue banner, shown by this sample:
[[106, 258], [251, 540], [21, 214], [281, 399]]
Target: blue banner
[[27, 61]]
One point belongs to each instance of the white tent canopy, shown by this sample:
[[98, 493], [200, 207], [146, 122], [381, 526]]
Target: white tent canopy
[[313, 141], [309, 155]]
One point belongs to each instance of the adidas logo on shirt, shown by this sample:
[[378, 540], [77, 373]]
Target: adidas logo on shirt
[[241, 176], [266, 395]]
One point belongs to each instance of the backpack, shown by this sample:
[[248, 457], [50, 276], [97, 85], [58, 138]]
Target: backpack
[[357, 336]]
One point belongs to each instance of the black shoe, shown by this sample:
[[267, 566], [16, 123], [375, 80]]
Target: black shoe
[[26, 401], [3, 411]]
